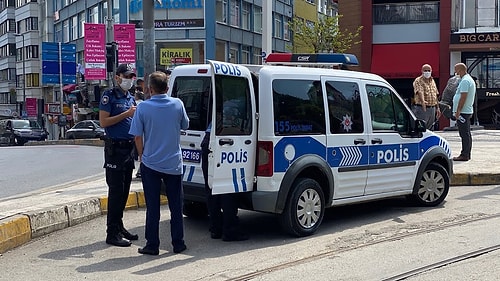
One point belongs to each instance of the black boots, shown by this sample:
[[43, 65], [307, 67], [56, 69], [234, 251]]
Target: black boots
[[117, 240]]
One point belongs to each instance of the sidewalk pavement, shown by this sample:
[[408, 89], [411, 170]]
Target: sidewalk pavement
[[29, 216]]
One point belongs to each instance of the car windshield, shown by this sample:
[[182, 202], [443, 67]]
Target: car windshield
[[25, 124]]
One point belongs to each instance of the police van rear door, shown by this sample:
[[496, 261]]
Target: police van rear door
[[233, 138], [191, 84]]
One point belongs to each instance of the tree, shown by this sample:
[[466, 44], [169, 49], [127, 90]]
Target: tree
[[323, 36]]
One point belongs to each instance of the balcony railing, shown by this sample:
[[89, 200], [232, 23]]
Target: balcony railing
[[405, 13]]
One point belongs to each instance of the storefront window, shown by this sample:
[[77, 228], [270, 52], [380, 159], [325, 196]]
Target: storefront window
[[487, 71]]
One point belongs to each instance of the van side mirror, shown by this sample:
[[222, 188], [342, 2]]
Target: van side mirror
[[420, 126]]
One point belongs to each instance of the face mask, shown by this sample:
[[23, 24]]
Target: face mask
[[126, 84], [427, 74], [457, 76]]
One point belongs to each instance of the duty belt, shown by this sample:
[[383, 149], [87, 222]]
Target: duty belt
[[122, 143]]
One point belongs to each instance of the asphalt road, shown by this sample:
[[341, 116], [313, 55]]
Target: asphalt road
[[373, 241], [30, 169]]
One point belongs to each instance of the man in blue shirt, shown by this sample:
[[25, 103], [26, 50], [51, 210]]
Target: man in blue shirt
[[463, 109], [116, 109], [157, 125]]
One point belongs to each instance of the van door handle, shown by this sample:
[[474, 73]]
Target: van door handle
[[359, 141], [226, 141], [376, 140]]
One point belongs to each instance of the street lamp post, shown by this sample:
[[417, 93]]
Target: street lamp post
[[23, 56]]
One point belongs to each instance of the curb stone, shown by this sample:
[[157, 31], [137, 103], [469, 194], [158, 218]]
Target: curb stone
[[20, 229]]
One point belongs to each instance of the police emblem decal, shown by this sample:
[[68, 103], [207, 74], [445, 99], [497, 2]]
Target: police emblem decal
[[105, 100], [347, 123]]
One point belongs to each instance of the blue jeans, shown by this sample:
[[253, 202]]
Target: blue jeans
[[151, 182]]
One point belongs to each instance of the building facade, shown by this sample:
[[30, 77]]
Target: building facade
[[236, 31], [399, 36]]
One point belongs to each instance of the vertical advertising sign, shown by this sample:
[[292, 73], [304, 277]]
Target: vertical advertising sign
[[95, 51], [125, 39], [31, 108]]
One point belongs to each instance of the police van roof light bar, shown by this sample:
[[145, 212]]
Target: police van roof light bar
[[311, 59]]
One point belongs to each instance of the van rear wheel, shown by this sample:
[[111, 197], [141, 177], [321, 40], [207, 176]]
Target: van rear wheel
[[305, 208]]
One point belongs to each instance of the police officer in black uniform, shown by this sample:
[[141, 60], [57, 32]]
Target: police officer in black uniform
[[116, 109]]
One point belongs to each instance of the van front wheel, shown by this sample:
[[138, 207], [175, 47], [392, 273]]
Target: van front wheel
[[305, 208], [432, 187]]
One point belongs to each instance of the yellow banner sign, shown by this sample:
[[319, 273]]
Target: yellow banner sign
[[170, 56]]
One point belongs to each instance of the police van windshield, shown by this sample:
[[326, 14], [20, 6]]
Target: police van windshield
[[25, 124], [194, 92]]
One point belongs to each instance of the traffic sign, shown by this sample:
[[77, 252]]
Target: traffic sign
[[57, 59]]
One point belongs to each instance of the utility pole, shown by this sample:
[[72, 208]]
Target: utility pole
[[149, 41], [110, 39], [61, 98], [267, 27]]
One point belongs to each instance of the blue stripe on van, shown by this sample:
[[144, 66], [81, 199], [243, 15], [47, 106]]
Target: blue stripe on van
[[243, 183], [235, 180], [353, 156], [191, 173]]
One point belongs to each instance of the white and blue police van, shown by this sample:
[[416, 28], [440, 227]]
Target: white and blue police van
[[293, 141]]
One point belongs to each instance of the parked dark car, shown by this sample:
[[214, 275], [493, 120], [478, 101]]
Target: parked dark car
[[20, 131], [86, 129]]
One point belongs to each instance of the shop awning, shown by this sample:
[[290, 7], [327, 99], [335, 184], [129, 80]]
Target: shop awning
[[69, 88], [404, 60], [84, 110]]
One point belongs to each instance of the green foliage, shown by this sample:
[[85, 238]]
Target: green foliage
[[324, 36]]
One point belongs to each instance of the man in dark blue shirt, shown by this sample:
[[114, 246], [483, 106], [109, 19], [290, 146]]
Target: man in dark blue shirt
[[116, 110]]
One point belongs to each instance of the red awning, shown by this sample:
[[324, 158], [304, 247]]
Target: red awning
[[404, 60], [69, 88]]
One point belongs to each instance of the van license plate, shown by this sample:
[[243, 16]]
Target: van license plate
[[190, 155]]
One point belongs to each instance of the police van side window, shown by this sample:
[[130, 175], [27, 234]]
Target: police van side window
[[344, 106], [233, 108], [194, 92], [298, 107], [387, 110]]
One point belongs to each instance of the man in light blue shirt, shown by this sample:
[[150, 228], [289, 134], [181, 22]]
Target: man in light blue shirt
[[156, 125], [463, 109]]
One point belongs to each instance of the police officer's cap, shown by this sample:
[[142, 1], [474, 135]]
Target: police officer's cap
[[125, 69]]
